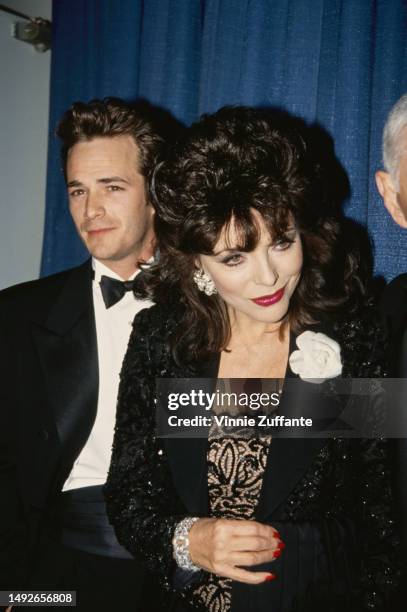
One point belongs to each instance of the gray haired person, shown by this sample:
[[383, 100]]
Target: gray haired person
[[392, 182], [392, 186]]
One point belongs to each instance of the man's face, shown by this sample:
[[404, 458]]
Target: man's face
[[395, 196], [402, 194], [107, 201]]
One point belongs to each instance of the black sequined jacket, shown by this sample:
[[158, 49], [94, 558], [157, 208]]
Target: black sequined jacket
[[330, 499]]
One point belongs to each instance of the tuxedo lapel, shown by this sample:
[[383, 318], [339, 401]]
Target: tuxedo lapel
[[67, 349], [290, 457]]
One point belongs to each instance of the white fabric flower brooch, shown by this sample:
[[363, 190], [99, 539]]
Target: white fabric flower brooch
[[318, 357]]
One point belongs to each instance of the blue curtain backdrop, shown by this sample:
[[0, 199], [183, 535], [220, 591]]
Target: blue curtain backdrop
[[340, 63]]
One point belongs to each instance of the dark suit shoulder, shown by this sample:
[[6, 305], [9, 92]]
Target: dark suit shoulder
[[394, 298], [398, 282], [40, 287], [393, 306], [40, 293]]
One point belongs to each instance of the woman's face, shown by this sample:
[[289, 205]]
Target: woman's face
[[258, 284]]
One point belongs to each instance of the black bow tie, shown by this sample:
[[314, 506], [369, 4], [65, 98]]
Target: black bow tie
[[113, 289]]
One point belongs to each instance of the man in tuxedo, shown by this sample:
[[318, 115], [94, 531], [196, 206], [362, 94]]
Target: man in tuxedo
[[392, 186], [62, 342]]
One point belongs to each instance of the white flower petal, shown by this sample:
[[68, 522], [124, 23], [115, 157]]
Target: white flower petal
[[296, 361], [314, 381], [332, 344], [317, 359]]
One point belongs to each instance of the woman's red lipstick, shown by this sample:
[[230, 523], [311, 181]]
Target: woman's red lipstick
[[268, 300]]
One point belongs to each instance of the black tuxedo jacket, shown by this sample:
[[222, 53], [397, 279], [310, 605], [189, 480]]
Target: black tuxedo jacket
[[394, 308], [49, 387], [329, 499]]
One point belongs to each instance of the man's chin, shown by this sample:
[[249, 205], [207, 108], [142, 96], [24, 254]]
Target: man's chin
[[99, 248], [102, 254]]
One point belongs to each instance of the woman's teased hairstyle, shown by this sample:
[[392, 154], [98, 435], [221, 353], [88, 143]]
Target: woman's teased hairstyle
[[227, 165]]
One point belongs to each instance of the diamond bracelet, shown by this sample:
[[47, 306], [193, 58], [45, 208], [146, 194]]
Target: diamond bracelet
[[180, 544]]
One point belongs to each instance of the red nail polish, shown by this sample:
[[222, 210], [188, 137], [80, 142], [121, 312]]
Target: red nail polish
[[270, 577], [276, 553], [281, 545]]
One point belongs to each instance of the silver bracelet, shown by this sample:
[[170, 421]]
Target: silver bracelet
[[180, 544]]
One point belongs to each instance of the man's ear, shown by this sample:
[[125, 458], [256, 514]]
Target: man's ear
[[387, 190]]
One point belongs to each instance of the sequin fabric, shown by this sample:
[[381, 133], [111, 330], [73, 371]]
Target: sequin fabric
[[140, 501], [345, 488]]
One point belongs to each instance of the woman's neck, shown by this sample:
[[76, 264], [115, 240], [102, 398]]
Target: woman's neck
[[256, 350], [252, 332]]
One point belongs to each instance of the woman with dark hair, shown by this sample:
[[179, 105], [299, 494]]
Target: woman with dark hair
[[254, 281]]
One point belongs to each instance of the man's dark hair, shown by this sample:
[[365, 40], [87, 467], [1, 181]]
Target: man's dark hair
[[229, 164], [115, 117]]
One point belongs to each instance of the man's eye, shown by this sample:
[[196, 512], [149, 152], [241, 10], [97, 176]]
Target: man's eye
[[114, 188], [76, 192], [232, 260]]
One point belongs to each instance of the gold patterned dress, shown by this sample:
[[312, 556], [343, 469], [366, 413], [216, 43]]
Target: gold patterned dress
[[235, 475]]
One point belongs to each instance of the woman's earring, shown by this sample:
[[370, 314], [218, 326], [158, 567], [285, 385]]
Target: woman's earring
[[204, 282]]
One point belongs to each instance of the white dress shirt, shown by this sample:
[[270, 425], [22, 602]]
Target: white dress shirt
[[113, 328]]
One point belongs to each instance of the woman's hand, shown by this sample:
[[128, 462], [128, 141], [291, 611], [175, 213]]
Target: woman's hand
[[221, 546]]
